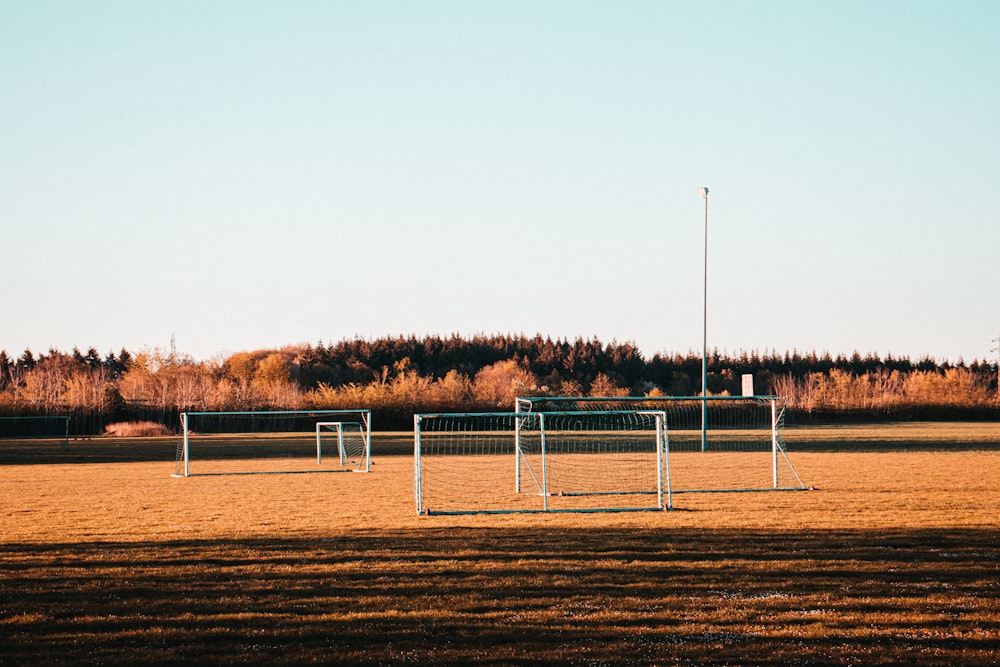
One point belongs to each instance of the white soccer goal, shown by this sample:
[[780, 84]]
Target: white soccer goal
[[535, 462], [36, 428], [278, 441], [740, 448], [349, 440]]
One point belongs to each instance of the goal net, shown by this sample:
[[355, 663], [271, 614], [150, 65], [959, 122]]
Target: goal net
[[283, 441], [719, 443], [539, 462], [54, 428]]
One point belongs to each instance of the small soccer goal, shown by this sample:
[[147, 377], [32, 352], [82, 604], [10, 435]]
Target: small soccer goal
[[36, 428], [279, 441], [506, 462], [348, 440], [738, 446]]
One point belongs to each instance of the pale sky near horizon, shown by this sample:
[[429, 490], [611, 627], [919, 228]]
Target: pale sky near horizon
[[247, 175]]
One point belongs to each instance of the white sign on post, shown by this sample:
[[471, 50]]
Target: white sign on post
[[748, 384]]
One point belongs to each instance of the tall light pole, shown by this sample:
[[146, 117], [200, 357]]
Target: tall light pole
[[703, 191]]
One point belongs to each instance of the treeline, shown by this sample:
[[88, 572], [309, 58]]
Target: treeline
[[396, 377]]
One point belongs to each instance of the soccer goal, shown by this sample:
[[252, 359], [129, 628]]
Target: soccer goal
[[279, 441], [739, 446], [38, 428], [503, 462]]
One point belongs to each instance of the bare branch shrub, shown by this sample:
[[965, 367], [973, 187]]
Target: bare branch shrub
[[136, 429]]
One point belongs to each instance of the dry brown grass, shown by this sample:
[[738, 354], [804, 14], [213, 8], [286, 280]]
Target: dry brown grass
[[106, 559], [136, 429]]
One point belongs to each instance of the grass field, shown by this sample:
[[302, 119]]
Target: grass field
[[893, 558]]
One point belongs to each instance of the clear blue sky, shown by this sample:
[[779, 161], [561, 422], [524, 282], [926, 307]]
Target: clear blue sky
[[246, 175]]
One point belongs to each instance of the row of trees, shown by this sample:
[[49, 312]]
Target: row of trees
[[398, 376]]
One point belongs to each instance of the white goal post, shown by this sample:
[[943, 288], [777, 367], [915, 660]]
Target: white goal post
[[505, 462], [274, 441], [739, 447]]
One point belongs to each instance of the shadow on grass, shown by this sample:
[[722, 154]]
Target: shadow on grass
[[510, 596], [889, 446]]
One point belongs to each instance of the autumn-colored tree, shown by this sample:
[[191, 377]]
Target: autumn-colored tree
[[240, 369], [499, 384], [605, 386], [273, 383], [43, 386]]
